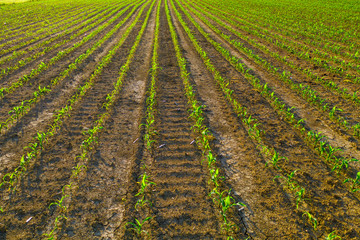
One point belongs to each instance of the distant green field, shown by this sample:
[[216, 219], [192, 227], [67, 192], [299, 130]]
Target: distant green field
[[12, 1]]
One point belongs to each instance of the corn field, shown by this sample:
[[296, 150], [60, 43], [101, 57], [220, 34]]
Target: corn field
[[180, 119]]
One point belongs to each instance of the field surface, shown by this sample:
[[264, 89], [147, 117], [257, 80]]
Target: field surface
[[180, 119], [12, 1]]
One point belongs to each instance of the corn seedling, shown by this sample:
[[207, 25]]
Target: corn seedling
[[137, 227], [50, 235], [355, 183], [341, 163], [142, 202], [41, 137], [311, 219], [356, 130], [290, 183], [144, 183], [275, 159], [332, 236], [330, 152], [10, 179], [300, 196], [314, 137], [215, 177], [60, 203], [333, 111], [225, 201], [148, 140], [211, 159]]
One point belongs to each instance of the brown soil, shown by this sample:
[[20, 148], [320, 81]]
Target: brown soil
[[104, 202]]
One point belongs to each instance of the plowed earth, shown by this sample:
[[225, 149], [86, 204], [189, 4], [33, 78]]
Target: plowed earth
[[104, 201]]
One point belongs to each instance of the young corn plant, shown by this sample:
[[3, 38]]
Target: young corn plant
[[342, 163], [290, 183], [215, 177], [144, 184], [332, 236], [311, 219], [314, 137], [356, 129], [41, 137], [60, 202], [137, 227], [331, 153], [141, 202], [148, 139], [51, 234], [10, 179], [211, 159], [225, 201], [300, 196], [78, 168], [333, 111], [355, 182], [88, 144], [275, 159]]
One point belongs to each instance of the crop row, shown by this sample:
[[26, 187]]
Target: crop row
[[289, 42], [255, 132], [90, 142], [35, 147], [302, 89], [324, 149], [331, 85], [25, 105], [30, 34], [145, 183], [221, 197], [27, 20], [78, 31], [296, 30], [60, 55], [77, 26]]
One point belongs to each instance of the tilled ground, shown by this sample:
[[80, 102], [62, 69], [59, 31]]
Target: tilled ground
[[105, 201]]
